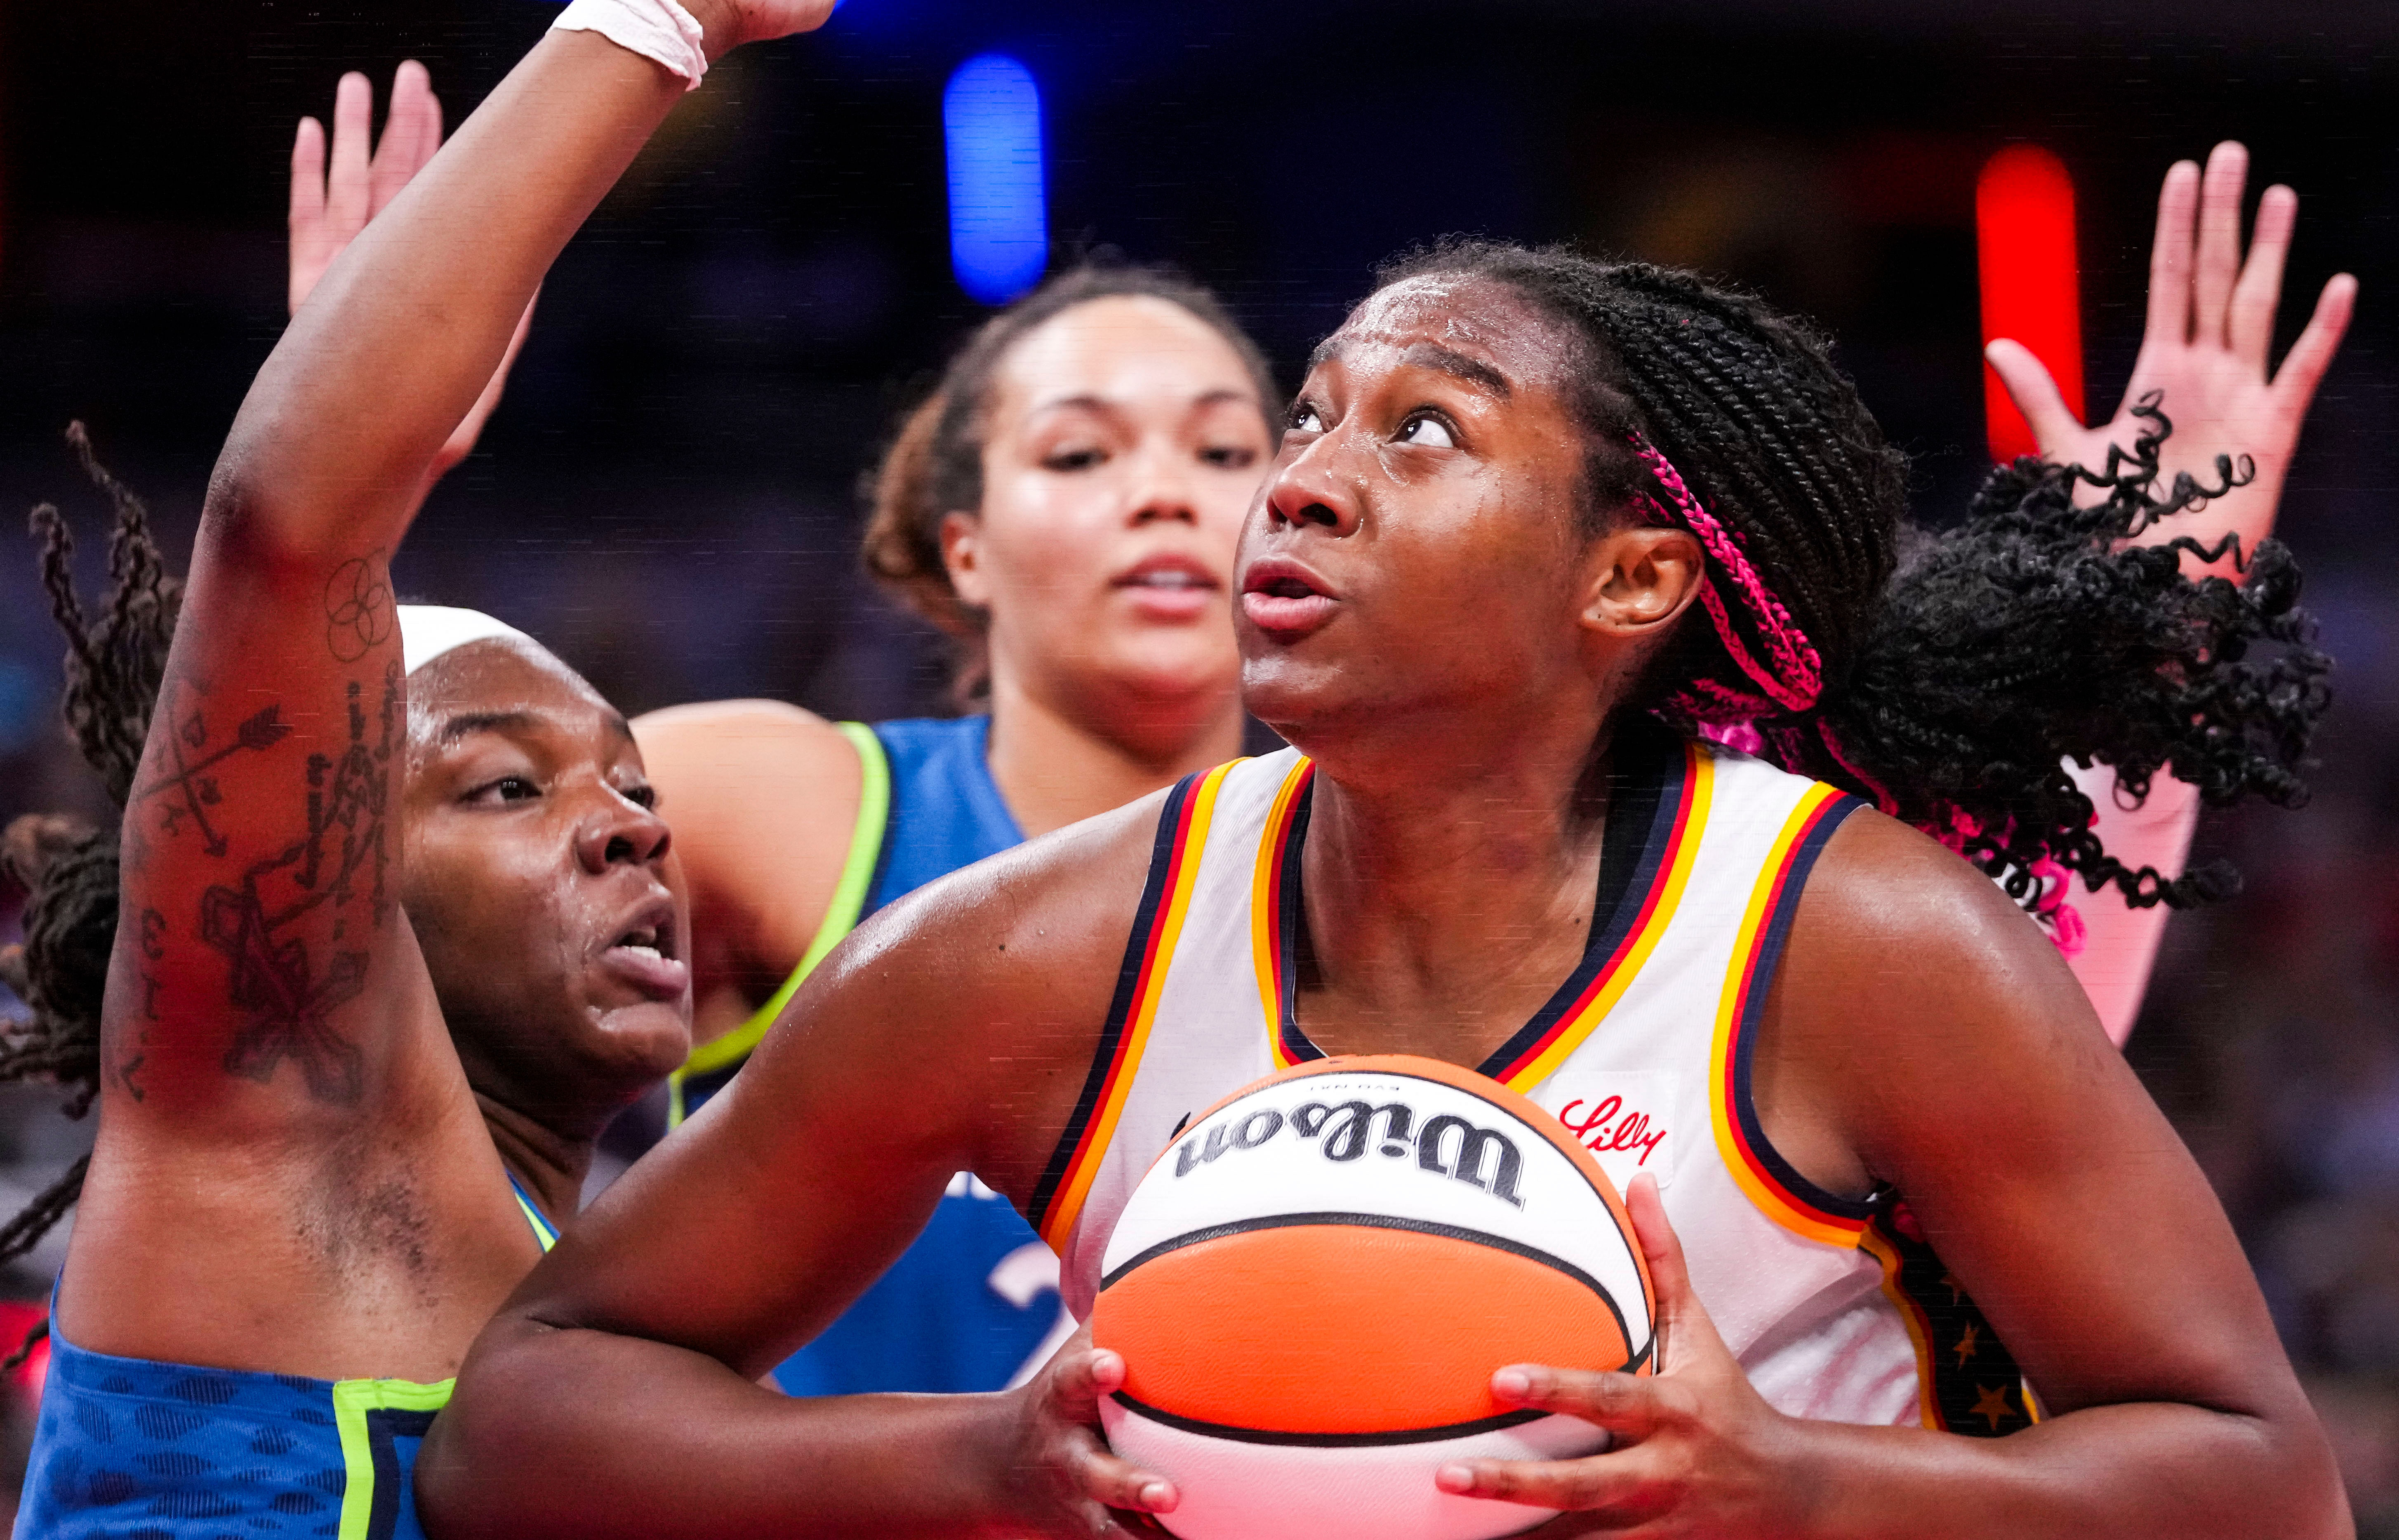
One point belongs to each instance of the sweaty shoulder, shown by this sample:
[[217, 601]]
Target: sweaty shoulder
[[1909, 977], [763, 800], [991, 984]]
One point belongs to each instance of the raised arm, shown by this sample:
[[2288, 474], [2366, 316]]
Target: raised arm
[[260, 974], [615, 1395], [2206, 350]]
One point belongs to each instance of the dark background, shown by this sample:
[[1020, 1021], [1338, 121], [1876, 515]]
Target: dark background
[[667, 496]]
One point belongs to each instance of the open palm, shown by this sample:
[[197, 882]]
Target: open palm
[[2210, 330], [329, 209]]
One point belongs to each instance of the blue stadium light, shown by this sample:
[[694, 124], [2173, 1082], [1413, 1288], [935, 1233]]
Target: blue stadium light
[[999, 221]]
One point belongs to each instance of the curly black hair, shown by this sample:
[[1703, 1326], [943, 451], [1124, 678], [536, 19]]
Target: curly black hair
[[1955, 684], [69, 869]]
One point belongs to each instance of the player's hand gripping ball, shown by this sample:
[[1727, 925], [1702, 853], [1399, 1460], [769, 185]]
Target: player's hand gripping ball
[[1313, 1285]]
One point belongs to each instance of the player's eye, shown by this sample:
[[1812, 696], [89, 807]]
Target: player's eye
[[506, 789], [641, 796], [1305, 418], [1426, 431]]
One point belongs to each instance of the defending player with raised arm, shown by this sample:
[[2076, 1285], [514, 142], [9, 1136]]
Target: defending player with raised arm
[[1539, 529], [399, 931]]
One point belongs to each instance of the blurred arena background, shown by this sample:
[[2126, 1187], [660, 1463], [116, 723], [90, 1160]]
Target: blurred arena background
[[666, 495]]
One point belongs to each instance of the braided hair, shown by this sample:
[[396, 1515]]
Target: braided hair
[[1951, 678], [69, 869]]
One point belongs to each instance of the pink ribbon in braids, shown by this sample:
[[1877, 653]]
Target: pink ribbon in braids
[[1795, 675]]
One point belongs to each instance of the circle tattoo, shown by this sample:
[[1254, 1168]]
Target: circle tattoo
[[357, 608]]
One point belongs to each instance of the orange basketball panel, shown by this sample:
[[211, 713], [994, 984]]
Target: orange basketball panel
[[1345, 1329]]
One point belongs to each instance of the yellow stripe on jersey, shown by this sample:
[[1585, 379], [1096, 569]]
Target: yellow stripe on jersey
[[1928, 1410], [1745, 986], [1166, 929], [1266, 907], [1665, 895], [370, 1508]]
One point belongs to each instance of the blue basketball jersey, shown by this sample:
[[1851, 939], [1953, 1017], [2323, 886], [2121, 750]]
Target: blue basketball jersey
[[131, 1448], [973, 1301]]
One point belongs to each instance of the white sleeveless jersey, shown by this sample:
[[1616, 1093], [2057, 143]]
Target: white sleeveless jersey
[[1836, 1308]]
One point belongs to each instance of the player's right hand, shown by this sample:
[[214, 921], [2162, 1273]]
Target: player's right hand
[[1064, 1479]]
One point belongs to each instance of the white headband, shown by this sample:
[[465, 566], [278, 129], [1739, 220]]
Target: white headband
[[428, 630]]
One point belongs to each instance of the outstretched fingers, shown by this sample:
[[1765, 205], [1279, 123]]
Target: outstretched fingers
[[2053, 425], [2256, 298], [346, 191], [2216, 262], [306, 221], [2171, 256], [2303, 367], [401, 151]]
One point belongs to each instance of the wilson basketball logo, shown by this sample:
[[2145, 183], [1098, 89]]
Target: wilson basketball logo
[[1483, 1159], [1313, 1284]]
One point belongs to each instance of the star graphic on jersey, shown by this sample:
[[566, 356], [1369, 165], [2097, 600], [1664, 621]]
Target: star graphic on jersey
[[1967, 1343], [1957, 1289], [1991, 1403]]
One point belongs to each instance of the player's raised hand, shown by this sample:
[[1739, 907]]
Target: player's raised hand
[[1065, 1481], [331, 205], [1697, 1451], [2210, 331]]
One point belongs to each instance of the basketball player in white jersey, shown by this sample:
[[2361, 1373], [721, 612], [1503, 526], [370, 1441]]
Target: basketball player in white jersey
[[1540, 531]]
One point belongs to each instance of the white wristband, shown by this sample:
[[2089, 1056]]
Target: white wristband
[[654, 29]]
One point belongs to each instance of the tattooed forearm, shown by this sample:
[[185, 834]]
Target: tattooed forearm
[[275, 983], [150, 937], [181, 785], [289, 924]]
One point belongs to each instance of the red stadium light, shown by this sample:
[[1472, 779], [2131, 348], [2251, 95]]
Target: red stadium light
[[2024, 225]]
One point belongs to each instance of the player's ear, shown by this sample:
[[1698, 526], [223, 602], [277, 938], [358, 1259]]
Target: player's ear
[[962, 557], [1638, 579]]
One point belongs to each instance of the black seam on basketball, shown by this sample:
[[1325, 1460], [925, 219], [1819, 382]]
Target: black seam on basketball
[[1380, 1221], [1332, 1440]]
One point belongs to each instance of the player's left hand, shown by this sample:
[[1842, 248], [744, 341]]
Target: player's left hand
[[1697, 1449], [2207, 347], [330, 207]]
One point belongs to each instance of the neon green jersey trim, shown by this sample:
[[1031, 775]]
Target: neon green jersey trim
[[542, 1231], [840, 918], [352, 1400]]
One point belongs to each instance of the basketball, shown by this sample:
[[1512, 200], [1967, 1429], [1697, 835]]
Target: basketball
[[1313, 1284]]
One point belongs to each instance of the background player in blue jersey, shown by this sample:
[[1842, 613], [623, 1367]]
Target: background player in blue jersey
[[1064, 506], [390, 928]]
